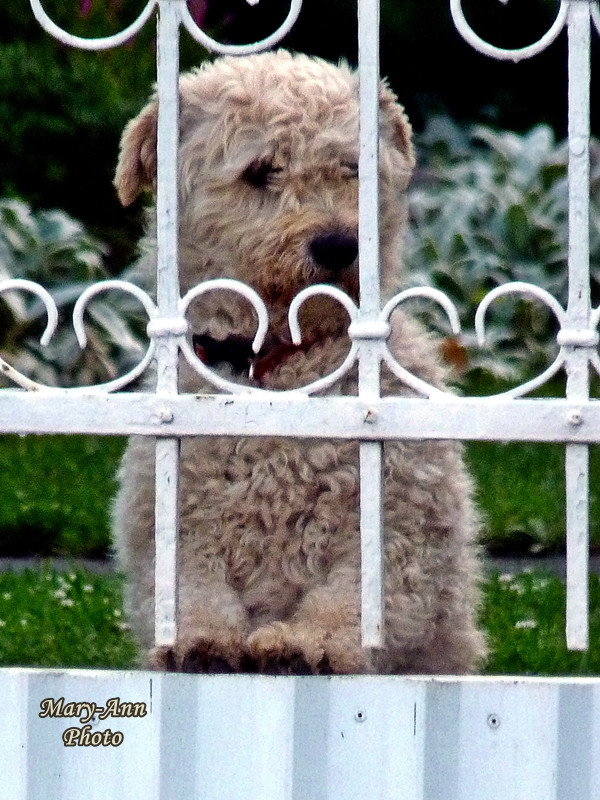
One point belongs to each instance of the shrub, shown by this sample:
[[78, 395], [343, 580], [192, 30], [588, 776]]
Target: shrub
[[52, 249], [62, 111], [488, 208]]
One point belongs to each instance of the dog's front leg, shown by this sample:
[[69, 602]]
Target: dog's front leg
[[212, 628], [321, 637]]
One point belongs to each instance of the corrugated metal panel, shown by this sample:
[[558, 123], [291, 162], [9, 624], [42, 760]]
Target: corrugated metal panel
[[246, 737]]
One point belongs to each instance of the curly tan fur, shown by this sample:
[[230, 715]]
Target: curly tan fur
[[269, 527]]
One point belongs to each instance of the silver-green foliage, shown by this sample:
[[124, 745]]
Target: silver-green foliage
[[488, 208], [52, 249]]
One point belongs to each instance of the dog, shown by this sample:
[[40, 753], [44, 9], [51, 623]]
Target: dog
[[269, 548]]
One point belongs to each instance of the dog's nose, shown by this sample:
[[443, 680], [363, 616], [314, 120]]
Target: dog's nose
[[334, 251]]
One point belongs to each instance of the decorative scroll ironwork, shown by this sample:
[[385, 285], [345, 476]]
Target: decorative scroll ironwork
[[107, 42], [487, 49], [158, 327], [377, 332]]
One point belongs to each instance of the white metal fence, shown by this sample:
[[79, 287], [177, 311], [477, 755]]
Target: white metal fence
[[247, 737], [421, 739]]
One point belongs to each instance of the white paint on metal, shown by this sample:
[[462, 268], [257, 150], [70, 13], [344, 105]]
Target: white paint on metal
[[371, 526], [244, 49], [578, 318], [14, 284], [520, 287], [21, 284], [517, 54], [167, 346], [444, 417], [578, 544], [313, 291], [595, 12], [578, 338], [103, 43], [240, 288], [515, 287], [14, 720], [242, 737], [418, 385], [369, 350], [79, 327], [425, 293], [224, 284]]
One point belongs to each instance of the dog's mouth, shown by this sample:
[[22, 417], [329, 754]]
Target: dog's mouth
[[236, 351]]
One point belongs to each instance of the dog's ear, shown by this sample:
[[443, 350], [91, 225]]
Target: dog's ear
[[395, 124], [136, 168]]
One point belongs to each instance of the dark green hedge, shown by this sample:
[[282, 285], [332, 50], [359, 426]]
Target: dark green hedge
[[62, 112]]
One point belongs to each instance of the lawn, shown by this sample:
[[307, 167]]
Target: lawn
[[524, 616], [55, 494], [67, 619], [521, 491], [75, 619]]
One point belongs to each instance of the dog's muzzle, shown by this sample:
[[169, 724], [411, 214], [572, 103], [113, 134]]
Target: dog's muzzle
[[334, 251]]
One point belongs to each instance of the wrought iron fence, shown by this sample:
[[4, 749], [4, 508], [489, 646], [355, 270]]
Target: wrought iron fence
[[368, 418]]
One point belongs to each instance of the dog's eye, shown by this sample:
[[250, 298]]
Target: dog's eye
[[259, 173], [350, 168]]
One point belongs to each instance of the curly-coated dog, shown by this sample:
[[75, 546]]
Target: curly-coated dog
[[269, 527]]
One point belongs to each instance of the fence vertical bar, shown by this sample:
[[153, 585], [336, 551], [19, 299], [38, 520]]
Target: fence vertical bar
[[371, 453], [167, 286], [578, 318]]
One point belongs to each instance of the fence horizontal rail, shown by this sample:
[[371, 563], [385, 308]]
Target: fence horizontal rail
[[476, 419]]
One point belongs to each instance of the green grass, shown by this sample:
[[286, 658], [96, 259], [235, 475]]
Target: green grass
[[66, 619], [55, 494], [75, 619], [524, 615], [521, 491]]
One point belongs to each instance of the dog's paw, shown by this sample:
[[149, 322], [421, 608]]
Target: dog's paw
[[162, 659], [277, 649], [202, 655], [291, 662]]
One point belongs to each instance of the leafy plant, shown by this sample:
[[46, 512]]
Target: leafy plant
[[62, 111], [52, 249], [488, 208]]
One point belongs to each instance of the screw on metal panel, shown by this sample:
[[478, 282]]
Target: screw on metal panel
[[360, 716], [575, 417], [493, 721]]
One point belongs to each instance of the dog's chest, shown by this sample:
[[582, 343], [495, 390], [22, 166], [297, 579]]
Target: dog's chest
[[268, 504]]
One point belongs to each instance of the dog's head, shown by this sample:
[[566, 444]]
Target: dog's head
[[268, 173]]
